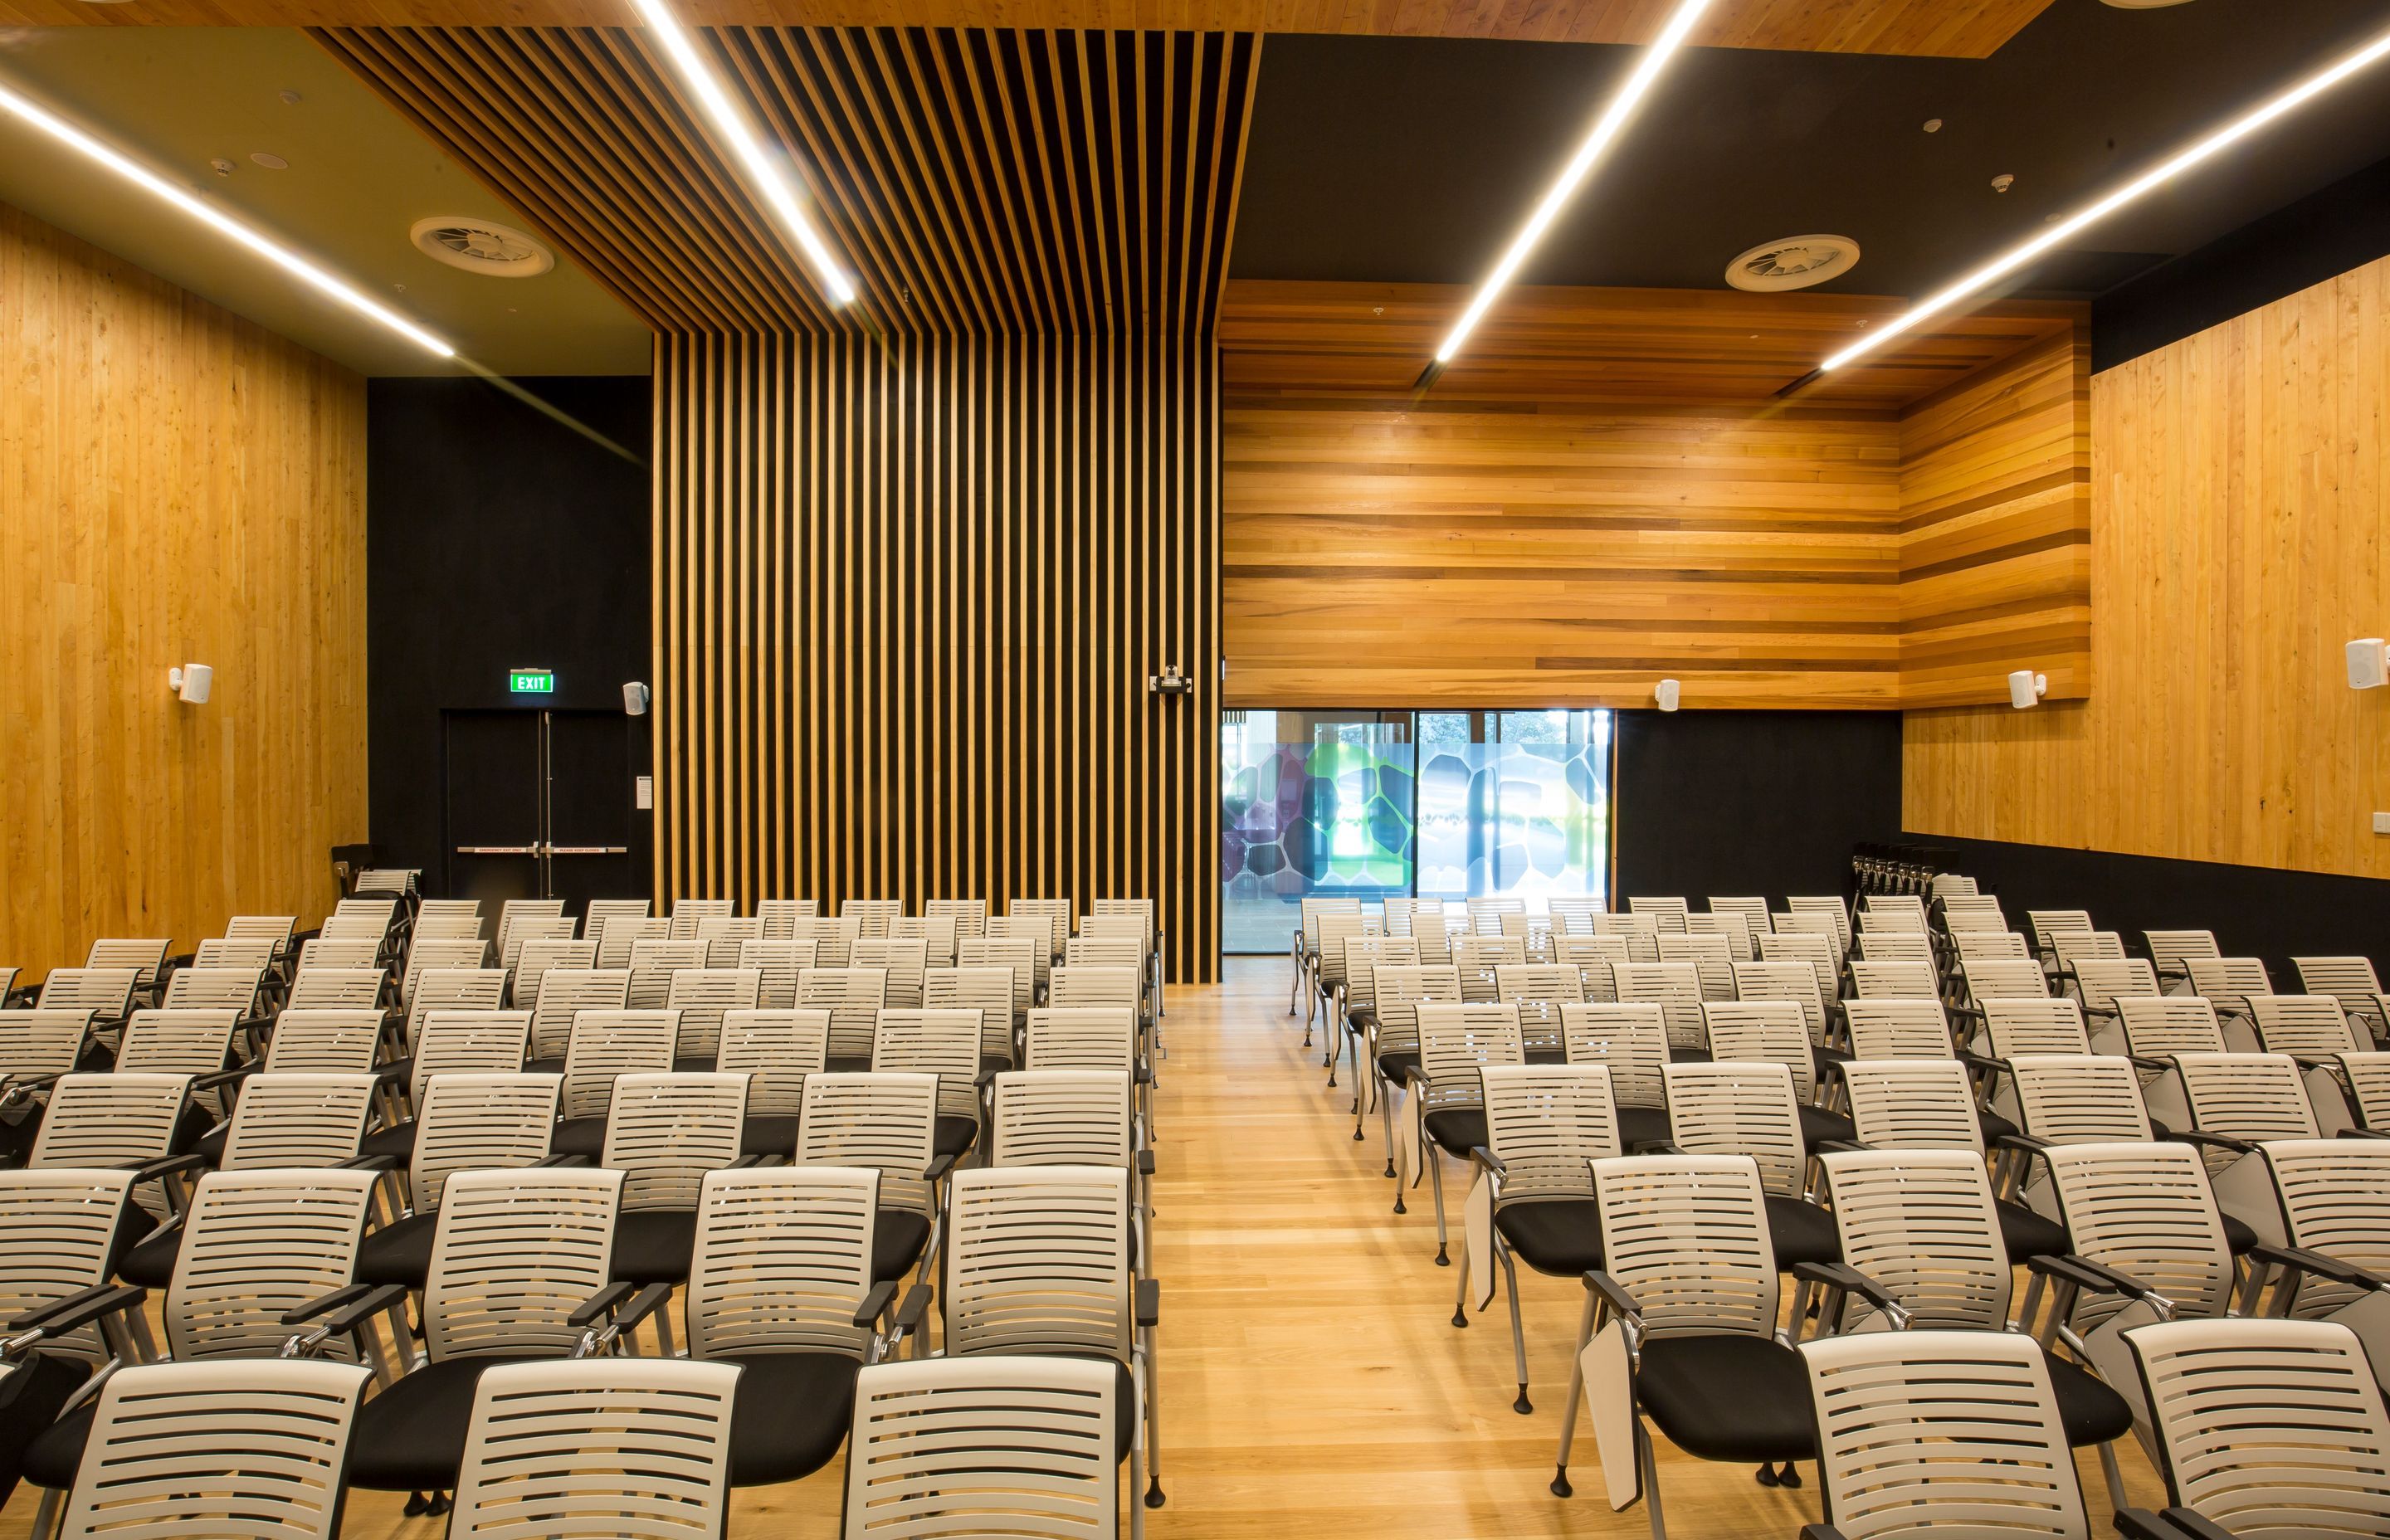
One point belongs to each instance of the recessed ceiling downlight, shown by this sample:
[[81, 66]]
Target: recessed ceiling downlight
[[1794, 263], [478, 246]]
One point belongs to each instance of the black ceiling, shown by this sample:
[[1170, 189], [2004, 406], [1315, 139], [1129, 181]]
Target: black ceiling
[[1414, 159]]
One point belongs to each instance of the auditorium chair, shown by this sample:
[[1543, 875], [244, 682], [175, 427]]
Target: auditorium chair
[[887, 1123], [1447, 1097], [995, 1413]]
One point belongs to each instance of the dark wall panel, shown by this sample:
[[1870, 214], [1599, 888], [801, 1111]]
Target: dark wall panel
[[495, 537], [2255, 911], [1744, 802]]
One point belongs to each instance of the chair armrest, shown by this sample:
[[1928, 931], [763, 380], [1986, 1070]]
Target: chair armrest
[[2321, 1265], [1844, 1147], [915, 1309], [601, 1304], [562, 1162], [2154, 1065], [1149, 1301], [2026, 1143], [155, 1170], [1982, 1062], [2362, 1134], [2210, 1142], [938, 1168], [2183, 1523], [1145, 1162], [1850, 1280], [80, 1308], [875, 1304], [349, 1308], [1487, 1158], [223, 1077], [2100, 1279], [1611, 1292], [369, 1163]]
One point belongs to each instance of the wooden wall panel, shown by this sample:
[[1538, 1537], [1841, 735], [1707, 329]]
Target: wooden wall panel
[[1996, 528], [2241, 516], [915, 560], [178, 485]]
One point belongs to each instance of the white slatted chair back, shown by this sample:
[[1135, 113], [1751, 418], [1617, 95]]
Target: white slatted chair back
[[430, 954], [319, 952], [519, 918], [2034, 1025], [1039, 1263], [1090, 986], [940, 1043], [1400, 989], [2170, 949], [618, 934], [1540, 989], [144, 957], [354, 929], [455, 989], [1486, 913], [1686, 1235], [657, 1462], [2004, 978], [469, 1042], [232, 989], [1941, 1432], [1734, 928], [2269, 1430], [1642, 932], [777, 965], [935, 932], [2048, 925], [1873, 979], [1396, 913], [105, 1119], [1782, 979], [39, 1044], [274, 929], [1675, 988], [515, 1253], [1669, 913], [783, 1259], [1898, 1029], [257, 1244], [381, 906], [701, 994], [335, 988], [1814, 948], [1534, 933], [536, 956], [1056, 913], [247, 955], [1913, 1104], [1457, 1041], [297, 1121], [2088, 946], [724, 936], [1728, 1107], [873, 917], [1975, 912], [1596, 959], [57, 1237], [887, 1121], [689, 913], [969, 914], [1477, 956], [1019, 954], [1711, 957], [1630, 1040], [1993, 946], [602, 912], [1921, 1223], [178, 1042], [2102, 981], [1432, 931], [984, 991], [565, 993], [2351, 981], [1364, 956], [479, 1122], [2160, 1026], [606, 1045], [1107, 908], [106, 993], [2144, 1208], [1894, 911], [834, 939], [1878, 947], [437, 926], [1764, 1032], [779, 916], [2079, 1098], [2250, 1097], [776, 1047], [1333, 929], [1063, 1117], [652, 965], [2369, 1089], [1946, 884], [2305, 1026], [1081, 1037], [665, 1132], [1573, 911], [2334, 1196], [1545, 1123], [1754, 912], [1832, 908], [938, 1447], [157, 1445], [1879, 923], [853, 996]]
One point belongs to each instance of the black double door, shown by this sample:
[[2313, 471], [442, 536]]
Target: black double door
[[540, 804]]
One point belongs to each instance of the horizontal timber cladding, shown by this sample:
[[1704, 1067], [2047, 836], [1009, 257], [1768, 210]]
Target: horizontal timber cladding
[[915, 558]]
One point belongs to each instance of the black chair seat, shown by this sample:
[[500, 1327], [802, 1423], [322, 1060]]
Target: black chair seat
[[1689, 1056], [898, 1237], [1801, 1232], [1457, 1129], [1547, 1056], [654, 1245], [45, 1453], [769, 1134], [1396, 1066], [544, 1066], [1819, 1125], [695, 1064], [1360, 1018], [2027, 1234], [1729, 1397], [995, 1064], [847, 1064], [1560, 1236], [789, 1414], [396, 1141], [953, 1135], [580, 1136], [411, 1437], [1639, 1127], [2088, 1409], [400, 1251], [151, 1264]]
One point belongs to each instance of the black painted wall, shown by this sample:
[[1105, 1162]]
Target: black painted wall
[[495, 537], [2255, 911], [1752, 802]]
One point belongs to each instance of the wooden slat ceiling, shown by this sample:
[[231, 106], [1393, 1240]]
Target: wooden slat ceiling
[[977, 183], [1363, 341], [1958, 29]]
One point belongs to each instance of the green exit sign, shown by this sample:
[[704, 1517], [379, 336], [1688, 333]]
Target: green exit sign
[[532, 681]]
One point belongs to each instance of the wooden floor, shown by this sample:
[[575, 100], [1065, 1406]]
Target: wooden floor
[[1312, 1382]]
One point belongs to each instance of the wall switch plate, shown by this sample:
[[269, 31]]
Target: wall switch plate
[[643, 794], [2382, 822]]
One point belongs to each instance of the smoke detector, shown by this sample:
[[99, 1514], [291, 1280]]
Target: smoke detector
[[1793, 263], [478, 246]]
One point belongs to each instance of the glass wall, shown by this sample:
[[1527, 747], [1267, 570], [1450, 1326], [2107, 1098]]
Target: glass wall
[[1378, 804]]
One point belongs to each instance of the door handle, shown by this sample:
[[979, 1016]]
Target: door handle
[[498, 849], [588, 850]]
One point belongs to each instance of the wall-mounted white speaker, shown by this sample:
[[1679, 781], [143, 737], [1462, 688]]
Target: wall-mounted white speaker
[[635, 699], [2368, 664], [2026, 688], [192, 682], [1670, 693]]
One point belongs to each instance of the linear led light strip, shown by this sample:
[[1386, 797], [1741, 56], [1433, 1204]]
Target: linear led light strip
[[215, 219], [2000, 267], [1606, 129], [764, 172]]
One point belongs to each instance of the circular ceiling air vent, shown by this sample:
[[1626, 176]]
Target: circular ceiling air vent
[[478, 246], [1794, 263]]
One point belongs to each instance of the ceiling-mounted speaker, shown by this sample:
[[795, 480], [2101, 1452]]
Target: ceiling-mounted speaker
[[635, 699], [2026, 688], [193, 682], [2368, 664]]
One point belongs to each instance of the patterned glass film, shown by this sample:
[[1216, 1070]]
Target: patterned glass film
[[1386, 804]]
